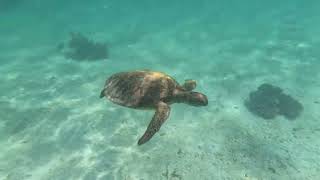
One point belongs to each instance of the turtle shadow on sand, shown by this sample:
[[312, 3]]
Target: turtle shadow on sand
[[81, 48], [269, 101]]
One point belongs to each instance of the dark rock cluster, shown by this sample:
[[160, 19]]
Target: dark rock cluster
[[80, 48], [269, 101]]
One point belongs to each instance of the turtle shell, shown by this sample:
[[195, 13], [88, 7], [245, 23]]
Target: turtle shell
[[139, 89]]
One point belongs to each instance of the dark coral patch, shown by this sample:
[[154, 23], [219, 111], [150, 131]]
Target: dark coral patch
[[269, 101]]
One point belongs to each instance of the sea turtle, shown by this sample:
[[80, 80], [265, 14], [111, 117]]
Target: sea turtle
[[148, 89]]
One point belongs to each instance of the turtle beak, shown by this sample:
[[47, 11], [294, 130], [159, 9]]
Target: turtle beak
[[203, 99]]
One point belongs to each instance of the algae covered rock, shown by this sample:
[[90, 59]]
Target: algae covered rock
[[289, 107], [269, 101], [81, 48]]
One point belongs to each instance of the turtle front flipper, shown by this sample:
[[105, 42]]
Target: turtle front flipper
[[161, 115]]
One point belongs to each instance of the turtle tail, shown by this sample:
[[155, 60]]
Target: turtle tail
[[102, 93]]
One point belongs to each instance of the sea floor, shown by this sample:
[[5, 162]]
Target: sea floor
[[54, 126]]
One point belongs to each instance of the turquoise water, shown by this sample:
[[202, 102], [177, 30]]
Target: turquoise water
[[53, 126]]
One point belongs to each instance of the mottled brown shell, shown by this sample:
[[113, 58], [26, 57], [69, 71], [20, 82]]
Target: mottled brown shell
[[139, 89]]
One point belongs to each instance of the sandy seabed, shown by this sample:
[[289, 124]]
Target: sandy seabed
[[54, 126]]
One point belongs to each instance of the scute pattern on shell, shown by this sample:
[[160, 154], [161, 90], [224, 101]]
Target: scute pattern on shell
[[138, 88]]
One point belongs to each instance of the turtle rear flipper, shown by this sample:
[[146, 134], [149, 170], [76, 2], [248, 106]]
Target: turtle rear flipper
[[161, 115]]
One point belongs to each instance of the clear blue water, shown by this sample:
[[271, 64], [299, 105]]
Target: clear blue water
[[53, 126]]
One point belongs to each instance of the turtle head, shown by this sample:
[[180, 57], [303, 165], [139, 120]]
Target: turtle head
[[195, 99]]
